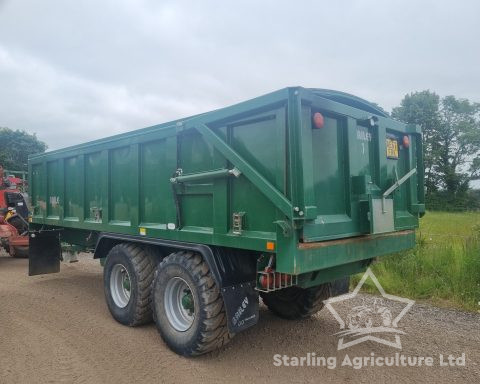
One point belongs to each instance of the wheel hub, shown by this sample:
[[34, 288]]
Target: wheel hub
[[187, 301], [179, 304], [120, 285]]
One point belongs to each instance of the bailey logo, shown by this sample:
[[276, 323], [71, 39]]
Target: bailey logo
[[375, 319]]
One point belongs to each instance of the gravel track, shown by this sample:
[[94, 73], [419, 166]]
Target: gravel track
[[57, 328]]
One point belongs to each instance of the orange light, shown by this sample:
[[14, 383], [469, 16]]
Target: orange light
[[406, 141], [270, 246], [318, 120]]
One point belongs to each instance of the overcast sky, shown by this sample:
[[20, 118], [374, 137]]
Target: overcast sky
[[74, 71]]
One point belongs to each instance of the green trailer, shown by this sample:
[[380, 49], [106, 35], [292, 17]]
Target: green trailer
[[283, 196]]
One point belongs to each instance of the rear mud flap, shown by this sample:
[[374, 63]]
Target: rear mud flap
[[340, 286], [44, 252], [241, 302]]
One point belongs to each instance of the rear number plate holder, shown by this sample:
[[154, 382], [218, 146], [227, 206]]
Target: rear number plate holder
[[392, 148]]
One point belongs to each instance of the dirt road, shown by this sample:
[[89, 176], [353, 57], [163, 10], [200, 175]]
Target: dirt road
[[57, 328]]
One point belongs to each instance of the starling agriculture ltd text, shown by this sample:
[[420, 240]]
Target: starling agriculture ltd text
[[359, 362]]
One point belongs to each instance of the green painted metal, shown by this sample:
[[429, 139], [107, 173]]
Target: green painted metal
[[276, 197], [339, 252], [313, 279], [294, 184]]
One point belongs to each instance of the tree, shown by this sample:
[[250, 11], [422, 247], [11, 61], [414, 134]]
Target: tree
[[423, 108], [16, 145], [451, 140], [458, 143]]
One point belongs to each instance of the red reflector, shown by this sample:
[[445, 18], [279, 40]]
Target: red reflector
[[406, 141], [318, 120]]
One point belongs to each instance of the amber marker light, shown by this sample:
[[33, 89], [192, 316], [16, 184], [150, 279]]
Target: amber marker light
[[318, 120]]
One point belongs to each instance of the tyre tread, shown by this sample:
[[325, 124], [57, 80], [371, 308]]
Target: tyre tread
[[306, 303], [144, 267], [213, 331]]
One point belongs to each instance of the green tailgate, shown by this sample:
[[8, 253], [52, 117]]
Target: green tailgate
[[350, 166]]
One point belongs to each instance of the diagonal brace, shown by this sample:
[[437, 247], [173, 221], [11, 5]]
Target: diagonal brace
[[272, 193], [397, 184]]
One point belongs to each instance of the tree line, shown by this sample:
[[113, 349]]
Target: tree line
[[451, 145], [15, 146]]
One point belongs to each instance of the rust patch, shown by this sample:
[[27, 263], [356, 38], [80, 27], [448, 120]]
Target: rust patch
[[358, 239]]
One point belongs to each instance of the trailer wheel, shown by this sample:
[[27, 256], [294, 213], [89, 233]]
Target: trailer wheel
[[295, 303], [19, 252], [127, 280], [187, 305]]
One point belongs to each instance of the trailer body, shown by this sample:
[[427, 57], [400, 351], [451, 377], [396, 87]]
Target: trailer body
[[321, 180]]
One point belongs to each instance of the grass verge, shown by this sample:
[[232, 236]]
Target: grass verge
[[443, 268]]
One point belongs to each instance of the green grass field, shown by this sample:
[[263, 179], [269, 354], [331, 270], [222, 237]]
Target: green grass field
[[443, 268]]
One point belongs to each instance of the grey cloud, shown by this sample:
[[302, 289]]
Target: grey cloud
[[75, 71]]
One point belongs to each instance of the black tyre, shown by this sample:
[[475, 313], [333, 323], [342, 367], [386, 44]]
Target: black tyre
[[295, 302], [18, 223], [20, 252], [187, 305], [127, 280]]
